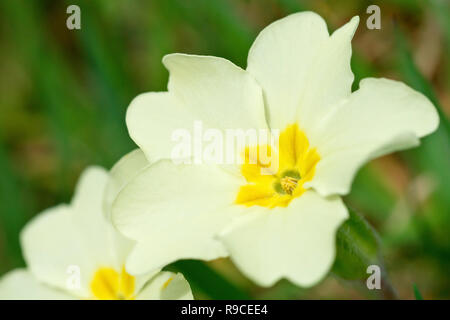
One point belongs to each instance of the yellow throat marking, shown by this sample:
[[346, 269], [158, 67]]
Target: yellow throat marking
[[296, 165], [108, 284]]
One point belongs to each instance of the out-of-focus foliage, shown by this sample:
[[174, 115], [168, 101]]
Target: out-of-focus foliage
[[358, 247], [63, 97]]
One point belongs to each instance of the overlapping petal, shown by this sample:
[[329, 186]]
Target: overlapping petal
[[121, 173], [174, 212], [201, 88], [166, 286]]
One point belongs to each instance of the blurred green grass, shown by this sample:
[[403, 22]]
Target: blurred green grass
[[64, 96]]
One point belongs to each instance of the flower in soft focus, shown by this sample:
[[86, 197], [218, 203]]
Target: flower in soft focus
[[277, 225], [73, 252]]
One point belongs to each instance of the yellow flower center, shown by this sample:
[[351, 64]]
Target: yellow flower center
[[275, 186], [108, 284]]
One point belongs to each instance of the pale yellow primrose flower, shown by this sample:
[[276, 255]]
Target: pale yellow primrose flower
[[298, 80], [73, 252]]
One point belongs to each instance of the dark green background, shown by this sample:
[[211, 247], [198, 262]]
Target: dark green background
[[63, 97]]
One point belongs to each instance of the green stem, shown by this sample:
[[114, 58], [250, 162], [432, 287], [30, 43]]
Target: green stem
[[387, 289]]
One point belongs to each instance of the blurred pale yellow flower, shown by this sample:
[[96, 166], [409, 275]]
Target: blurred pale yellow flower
[[73, 252]]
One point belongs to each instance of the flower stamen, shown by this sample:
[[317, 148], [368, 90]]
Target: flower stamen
[[288, 184]]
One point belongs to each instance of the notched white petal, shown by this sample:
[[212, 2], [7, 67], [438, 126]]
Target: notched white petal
[[122, 173], [296, 242], [74, 237], [383, 116], [302, 69], [166, 286], [20, 284]]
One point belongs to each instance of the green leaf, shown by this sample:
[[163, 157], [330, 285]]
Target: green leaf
[[417, 293], [12, 214], [205, 280], [357, 248]]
